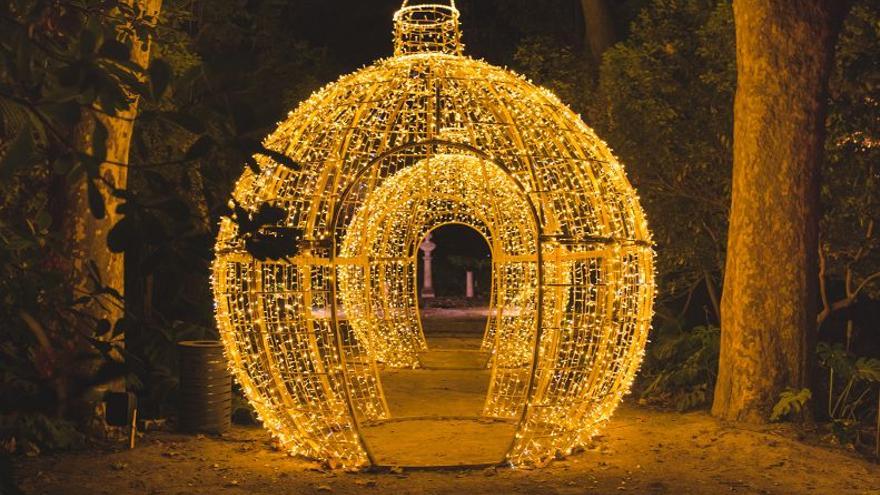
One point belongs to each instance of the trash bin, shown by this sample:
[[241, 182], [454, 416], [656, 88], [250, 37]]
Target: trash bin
[[205, 387]]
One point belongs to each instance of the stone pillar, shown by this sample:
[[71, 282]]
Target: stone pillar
[[428, 285], [469, 285]]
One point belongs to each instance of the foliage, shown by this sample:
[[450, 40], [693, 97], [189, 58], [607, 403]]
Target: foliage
[[791, 402], [29, 433], [852, 381], [237, 70], [681, 366], [558, 67], [665, 103], [60, 63], [263, 237], [215, 85], [851, 192]]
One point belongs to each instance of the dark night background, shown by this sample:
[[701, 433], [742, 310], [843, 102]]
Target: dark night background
[[459, 249], [358, 32]]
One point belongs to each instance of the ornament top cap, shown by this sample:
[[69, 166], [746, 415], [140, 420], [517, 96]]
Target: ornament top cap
[[427, 28]]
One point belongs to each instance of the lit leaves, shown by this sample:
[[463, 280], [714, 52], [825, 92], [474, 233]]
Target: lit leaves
[[791, 402]]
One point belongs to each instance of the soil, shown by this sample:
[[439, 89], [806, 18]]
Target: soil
[[436, 422]]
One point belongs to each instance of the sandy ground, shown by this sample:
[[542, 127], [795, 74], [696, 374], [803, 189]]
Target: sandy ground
[[642, 451]]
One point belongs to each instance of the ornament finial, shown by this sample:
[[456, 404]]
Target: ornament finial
[[427, 28]]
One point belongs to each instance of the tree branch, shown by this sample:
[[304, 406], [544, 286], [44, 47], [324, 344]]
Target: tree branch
[[865, 282]]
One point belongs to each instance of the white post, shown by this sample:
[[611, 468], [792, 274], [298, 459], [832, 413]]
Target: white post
[[427, 286], [469, 287]]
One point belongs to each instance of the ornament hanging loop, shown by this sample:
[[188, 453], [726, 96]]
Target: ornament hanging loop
[[406, 4], [427, 28]]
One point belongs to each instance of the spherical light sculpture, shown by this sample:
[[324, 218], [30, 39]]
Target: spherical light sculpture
[[385, 155]]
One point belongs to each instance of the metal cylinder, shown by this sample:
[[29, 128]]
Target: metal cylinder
[[205, 387]]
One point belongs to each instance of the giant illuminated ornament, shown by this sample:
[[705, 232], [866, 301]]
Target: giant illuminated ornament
[[385, 155]]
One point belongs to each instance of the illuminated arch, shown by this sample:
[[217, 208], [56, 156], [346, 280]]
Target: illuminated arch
[[387, 154]]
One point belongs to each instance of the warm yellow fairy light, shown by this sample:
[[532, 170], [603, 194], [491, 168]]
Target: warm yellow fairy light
[[426, 138]]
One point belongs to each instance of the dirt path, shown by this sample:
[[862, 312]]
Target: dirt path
[[642, 451]]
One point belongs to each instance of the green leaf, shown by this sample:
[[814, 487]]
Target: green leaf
[[129, 77], [790, 402], [160, 75], [269, 214], [120, 326], [43, 220], [111, 90], [96, 201], [71, 76], [868, 369], [102, 327]]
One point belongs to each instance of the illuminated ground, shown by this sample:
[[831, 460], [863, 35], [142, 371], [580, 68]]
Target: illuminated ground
[[643, 451], [436, 409]]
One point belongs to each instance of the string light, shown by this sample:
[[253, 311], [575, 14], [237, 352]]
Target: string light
[[426, 138]]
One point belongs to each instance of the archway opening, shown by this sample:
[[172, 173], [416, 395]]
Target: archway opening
[[454, 299], [441, 369]]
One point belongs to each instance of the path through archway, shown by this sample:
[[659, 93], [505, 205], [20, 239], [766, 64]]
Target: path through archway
[[441, 392]]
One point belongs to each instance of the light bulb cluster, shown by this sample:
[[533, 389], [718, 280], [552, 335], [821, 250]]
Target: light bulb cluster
[[426, 138]]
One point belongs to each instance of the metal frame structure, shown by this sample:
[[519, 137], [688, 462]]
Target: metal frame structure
[[387, 154]]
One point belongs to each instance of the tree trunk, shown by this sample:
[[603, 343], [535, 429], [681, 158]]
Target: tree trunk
[[87, 234], [768, 310], [598, 28]]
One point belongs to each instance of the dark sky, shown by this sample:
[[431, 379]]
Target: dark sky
[[459, 240], [356, 32], [456, 240]]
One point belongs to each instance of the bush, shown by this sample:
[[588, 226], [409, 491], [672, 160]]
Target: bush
[[680, 367]]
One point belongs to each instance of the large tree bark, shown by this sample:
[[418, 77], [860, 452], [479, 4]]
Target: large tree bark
[[87, 234], [768, 310], [598, 28]]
